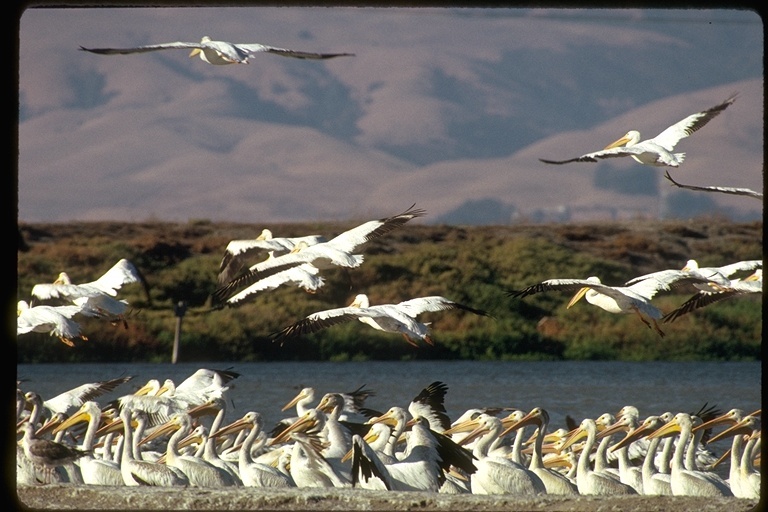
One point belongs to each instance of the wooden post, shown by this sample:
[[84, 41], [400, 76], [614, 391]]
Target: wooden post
[[179, 309]]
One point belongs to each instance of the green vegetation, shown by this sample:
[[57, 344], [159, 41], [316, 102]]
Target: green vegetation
[[476, 266]]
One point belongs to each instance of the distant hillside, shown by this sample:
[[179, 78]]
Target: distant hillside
[[472, 265]]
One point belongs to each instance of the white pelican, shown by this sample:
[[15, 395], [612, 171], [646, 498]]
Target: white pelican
[[422, 467], [628, 473], [725, 190], [430, 404], [701, 278], [614, 299], [305, 276], [218, 52], [238, 251], [95, 471], [751, 285], [589, 481], [686, 482], [70, 401], [497, 474], [744, 480], [252, 473], [655, 483], [394, 318], [121, 273], [335, 252], [200, 472], [55, 320], [554, 481], [136, 471], [658, 150]]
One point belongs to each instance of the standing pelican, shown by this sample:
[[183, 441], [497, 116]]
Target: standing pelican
[[658, 150], [395, 318], [218, 52], [589, 481], [687, 482], [654, 482], [614, 299], [95, 471]]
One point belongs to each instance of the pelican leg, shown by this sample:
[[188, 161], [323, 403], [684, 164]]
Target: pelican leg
[[67, 341], [409, 340], [657, 328]]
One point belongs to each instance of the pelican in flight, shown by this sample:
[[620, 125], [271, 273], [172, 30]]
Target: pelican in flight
[[305, 276], [725, 190], [750, 285], [614, 299], [708, 279], [238, 251], [55, 320], [395, 318], [218, 52], [96, 298], [658, 150], [335, 252]]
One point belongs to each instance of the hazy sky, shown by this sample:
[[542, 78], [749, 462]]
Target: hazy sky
[[442, 107]]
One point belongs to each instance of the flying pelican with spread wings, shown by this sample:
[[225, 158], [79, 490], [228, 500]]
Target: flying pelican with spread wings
[[614, 299], [396, 318], [218, 53], [658, 150]]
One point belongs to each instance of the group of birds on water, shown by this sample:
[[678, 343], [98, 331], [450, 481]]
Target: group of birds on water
[[180, 435]]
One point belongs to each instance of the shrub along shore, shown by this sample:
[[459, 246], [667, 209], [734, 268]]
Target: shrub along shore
[[473, 265]]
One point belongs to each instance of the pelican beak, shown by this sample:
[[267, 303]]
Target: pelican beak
[[194, 52], [163, 429], [618, 143], [206, 409], [144, 390], [526, 420], [737, 429], [477, 432], [668, 429], [236, 426], [294, 401], [576, 298], [385, 418], [464, 426], [612, 429], [577, 434], [72, 420], [301, 425]]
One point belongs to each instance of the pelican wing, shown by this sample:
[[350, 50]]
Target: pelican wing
[[252, 49], [566, 285], [599, 155], [304, 275], [414, 307], [350, 240], [703, 299], [143, 49], [672, 135], [319, 321], [725, 190]]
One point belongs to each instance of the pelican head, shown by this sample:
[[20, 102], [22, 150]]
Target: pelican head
[[361, 301], [197, 51], [579, 294], [630, 138], [63, 279], [266, 234], [690, 265]]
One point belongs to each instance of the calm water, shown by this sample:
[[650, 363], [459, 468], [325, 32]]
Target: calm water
[[578, 389]]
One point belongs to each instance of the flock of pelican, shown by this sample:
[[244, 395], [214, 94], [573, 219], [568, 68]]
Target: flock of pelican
[[53, 306], [180, 435]]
